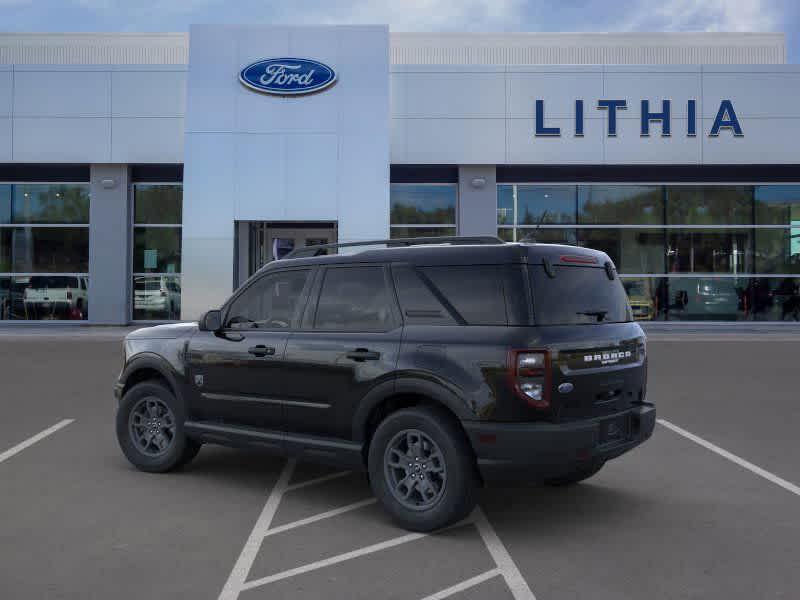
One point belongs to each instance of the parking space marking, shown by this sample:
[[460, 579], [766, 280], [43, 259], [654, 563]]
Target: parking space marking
[[235, 584], [33, 439], [321, 516], [326, 562], [323, 479], [464, 585], [508, 568], [771, 477]]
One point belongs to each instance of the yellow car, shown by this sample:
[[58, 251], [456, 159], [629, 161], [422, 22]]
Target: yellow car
[[640, 295]]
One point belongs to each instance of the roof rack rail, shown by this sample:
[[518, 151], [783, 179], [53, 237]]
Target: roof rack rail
[[455, 240]]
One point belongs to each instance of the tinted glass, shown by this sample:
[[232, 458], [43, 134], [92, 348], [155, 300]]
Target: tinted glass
[[272, 302], [577, 295], [412, 232], [44, 298], [354, 299], [44, 250], [708, 299], [775, 299], [417, 302], [709, 205], [548, 236], [545, 204], [505, 204], [621, 204], [157, 249], [778, 250], [632, 250], [777, 204], [647, 297], [156, 297], [417, 204], [475, 292], [44, 203], [158, 204], [710, 250]]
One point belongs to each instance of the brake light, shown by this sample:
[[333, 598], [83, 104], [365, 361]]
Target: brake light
[[578, 260], [529, 376]]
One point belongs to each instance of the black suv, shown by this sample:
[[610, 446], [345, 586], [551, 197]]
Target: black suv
[[436, 368]]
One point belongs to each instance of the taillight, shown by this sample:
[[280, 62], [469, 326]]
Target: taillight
[[529, 376]]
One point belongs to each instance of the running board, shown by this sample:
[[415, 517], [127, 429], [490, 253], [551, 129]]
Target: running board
[[331, 451]]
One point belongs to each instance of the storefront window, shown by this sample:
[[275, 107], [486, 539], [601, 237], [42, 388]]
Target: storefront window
[[709, 205], [423, 210], [632, 250], [44, 251], [156, 286], [709, 251], [621, 204]]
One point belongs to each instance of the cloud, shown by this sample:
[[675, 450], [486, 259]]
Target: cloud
[[704, 15]]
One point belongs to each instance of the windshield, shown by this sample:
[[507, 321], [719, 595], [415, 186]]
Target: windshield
[[578, 296]]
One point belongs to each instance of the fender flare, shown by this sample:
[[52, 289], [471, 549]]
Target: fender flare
[[149, 360], [407, 385]]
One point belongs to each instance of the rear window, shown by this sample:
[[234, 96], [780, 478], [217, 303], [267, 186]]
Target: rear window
[[474, 292], [578, 296]]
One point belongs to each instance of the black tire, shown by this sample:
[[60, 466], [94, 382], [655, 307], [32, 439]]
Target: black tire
[[179, 449], [576, 476], [455, 497]]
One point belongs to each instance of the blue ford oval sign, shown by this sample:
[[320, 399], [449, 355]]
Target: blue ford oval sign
[[287, 76]]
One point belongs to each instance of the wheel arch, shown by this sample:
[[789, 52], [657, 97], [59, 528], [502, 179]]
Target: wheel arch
[[148, 367]]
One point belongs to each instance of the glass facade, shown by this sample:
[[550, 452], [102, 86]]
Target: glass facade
[[44, 251], [423, 209], [684, 252], [156, 285]]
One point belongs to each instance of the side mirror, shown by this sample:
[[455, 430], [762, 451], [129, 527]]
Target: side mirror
[[211, 321]]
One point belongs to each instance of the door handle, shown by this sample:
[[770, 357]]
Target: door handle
[[261, 350], [361, 354]]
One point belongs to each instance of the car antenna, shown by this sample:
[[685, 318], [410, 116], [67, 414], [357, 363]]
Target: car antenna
[[531, 237]]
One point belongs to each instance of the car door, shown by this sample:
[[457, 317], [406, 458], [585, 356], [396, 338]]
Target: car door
[[236, 372], [349, 343]]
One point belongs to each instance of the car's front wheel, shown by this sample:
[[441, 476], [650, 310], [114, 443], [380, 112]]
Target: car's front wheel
[[421, 469], [150, 429]]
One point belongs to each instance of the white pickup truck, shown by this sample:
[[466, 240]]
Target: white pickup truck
[[56, 297]]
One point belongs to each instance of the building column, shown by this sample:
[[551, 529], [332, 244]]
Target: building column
[[109, 243], [477, 200]]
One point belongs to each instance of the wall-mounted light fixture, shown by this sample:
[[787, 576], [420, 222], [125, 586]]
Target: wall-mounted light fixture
[[478, 182], [109, 183]]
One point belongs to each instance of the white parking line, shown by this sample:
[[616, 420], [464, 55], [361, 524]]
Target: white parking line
[[320, 516], [33, 439], [323, 479], [235, 584], [333, 560], [771, 477], [508, 568], [464, 585]]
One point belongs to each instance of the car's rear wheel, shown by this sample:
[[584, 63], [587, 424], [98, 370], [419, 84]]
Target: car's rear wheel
[[421, 469], [576, 476], [150, 429]]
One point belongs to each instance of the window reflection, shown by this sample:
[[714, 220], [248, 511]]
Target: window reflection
[[704, 299], [156, 297], [430, 204], [777, 205], [631, 250], [545, 204], [621, 204], [44, 297], [709, 251], [44, 203], [709, 205]]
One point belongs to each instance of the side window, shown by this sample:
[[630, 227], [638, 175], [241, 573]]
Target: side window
[[418, 303], [354, 299], [272, 302], [476, 292]]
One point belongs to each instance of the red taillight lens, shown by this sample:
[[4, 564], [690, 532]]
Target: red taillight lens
[[529, 374]]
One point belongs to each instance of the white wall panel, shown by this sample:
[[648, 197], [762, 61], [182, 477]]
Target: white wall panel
[[558, 90], [261, 197], [523, 147], [455, 141], [455, 95], [147, 140], [79, 140], [311, 177], [148, 93], [6, 87], [629, 148], [62, 93], [209, 178], [363, 191], [210, 89], [5, 139], [753, 94], [634, 87], [765, 141]]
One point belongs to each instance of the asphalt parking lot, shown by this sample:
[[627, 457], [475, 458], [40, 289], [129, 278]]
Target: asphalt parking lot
[[708, 508]]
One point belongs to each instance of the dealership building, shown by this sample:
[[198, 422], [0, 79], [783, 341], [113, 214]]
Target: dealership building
[[143, 177]]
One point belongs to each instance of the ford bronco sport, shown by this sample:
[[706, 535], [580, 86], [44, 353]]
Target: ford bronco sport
[[437, 365]]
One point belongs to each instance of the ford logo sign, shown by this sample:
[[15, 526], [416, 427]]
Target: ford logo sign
[[287, 76]]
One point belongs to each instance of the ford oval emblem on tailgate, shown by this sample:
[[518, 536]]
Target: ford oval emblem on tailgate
[[565, 388]]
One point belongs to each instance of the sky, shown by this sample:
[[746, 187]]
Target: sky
[[413, 15]]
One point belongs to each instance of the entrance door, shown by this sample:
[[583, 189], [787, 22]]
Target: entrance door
[[273, 241]]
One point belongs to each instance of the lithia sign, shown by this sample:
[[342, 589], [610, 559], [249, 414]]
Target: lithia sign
[[726, 119]]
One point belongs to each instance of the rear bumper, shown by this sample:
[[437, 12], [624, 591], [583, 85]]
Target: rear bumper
[[535, 451]]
